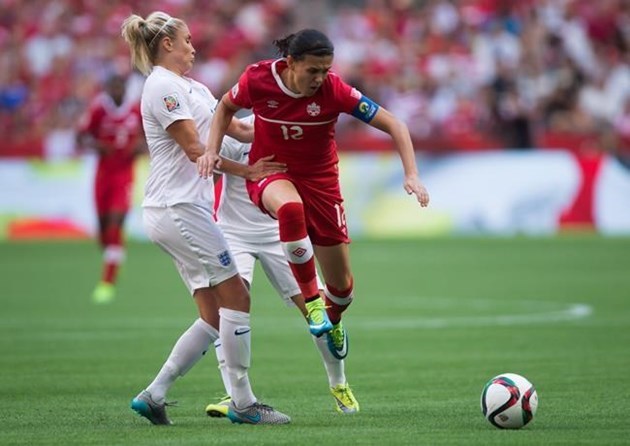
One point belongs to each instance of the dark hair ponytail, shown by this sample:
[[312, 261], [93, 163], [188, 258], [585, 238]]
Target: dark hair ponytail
[[305, 42]]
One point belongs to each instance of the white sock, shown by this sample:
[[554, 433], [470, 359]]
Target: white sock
[[188, 349], [334, 367], [236, 339], [218, 349]]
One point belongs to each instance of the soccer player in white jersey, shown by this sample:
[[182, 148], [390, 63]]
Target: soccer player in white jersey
[[178, 216], [253, 235]]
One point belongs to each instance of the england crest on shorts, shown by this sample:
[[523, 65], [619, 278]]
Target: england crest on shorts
[[225, 258], [171, 102], [313, 109]]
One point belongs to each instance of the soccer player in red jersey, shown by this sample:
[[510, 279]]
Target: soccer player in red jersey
[[297, 100], [113, 128]]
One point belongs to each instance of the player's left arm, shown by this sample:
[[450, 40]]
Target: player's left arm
[[385, 121]]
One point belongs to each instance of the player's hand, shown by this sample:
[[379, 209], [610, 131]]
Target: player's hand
[[264, 167], [413, 185], [206, 164]]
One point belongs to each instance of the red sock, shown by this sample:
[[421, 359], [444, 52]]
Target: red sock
[[337, 301], [298, 248], [110, 270], [113, 253]]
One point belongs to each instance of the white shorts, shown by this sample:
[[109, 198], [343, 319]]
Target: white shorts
[[189, 234], [273, 262]]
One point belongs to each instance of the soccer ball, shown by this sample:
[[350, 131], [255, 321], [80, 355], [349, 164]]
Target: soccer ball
[[509, 401]]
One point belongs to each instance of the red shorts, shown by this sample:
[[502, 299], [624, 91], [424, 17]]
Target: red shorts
[[112, 195], [323, 206]]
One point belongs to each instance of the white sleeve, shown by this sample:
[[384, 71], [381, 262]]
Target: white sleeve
[[231, 148], [169, 102]]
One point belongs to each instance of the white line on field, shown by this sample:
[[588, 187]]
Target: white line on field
[[572, 312]]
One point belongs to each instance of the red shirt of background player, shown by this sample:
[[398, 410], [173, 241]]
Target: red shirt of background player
[[116, 131]]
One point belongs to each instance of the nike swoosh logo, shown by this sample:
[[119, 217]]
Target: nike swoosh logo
[[242, 331]]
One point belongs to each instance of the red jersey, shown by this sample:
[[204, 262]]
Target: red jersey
[[117, 128], [299, 130]]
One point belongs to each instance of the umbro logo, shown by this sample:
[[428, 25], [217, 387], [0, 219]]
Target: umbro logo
[[272, 104], [299, 252]]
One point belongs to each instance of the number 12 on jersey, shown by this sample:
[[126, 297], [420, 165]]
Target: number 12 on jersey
[[294, 132]]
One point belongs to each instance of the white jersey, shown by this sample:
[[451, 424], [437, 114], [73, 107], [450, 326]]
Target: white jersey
[[237, 215], [173, 178]]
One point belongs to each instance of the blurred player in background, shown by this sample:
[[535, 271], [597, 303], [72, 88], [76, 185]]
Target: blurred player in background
[[112, 127], [253, 235], [297, 100], [178, 216]]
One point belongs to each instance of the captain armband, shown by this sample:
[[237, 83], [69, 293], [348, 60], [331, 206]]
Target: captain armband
[[365, 110]]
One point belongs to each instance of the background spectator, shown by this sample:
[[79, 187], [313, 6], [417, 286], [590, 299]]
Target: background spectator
[[463, 74]]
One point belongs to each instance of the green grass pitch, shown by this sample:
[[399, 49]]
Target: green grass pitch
[[433, 320]]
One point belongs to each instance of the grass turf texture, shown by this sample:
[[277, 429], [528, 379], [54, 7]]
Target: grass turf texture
[[433, 320]]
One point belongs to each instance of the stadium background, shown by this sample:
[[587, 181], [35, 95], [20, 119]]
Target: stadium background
[[520, 111]]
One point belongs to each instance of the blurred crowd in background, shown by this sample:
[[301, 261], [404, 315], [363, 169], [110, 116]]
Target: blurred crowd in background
[[463, 74]]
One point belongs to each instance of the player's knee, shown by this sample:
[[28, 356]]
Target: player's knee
[[291, 212], [291, 221], [233, 294]]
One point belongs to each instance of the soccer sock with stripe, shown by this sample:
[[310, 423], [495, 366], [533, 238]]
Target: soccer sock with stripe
[[297, 248], [113, 253], [337, 301]]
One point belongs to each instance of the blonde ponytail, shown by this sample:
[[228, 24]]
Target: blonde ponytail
[[143, 37]]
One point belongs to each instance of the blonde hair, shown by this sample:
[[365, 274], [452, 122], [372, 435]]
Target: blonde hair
[[144, 35]]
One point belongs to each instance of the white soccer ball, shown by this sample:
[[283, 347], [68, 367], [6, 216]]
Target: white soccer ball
[[509, 401]]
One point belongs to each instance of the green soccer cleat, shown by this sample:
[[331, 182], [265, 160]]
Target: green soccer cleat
[[318, 322], [338, 341], [345, 402], [220, 409], [144, 405], [257, 413], [104, 293]]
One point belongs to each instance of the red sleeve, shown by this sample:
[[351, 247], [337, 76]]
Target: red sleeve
[[345, 96], [239, 93]]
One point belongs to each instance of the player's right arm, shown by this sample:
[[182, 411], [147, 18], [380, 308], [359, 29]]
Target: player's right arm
[[185, 134]]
